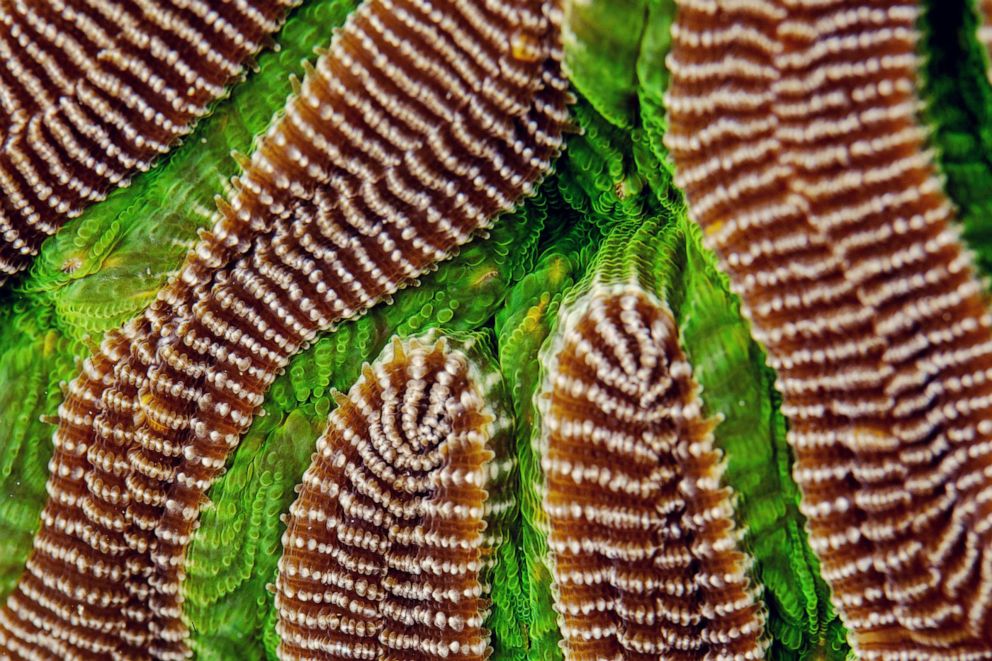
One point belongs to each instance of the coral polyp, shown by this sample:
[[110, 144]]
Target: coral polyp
[[662, 325]]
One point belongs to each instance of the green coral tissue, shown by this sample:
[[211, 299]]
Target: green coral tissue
[[609, 210]]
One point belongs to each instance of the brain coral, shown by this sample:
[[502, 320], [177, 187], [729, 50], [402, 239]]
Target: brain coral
[[527, 329]]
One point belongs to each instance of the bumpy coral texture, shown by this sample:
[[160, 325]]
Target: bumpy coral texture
[[148, 426], [92, 91], [794, 129], [798, 131], [233, 554], [641, 533], [390, 544]]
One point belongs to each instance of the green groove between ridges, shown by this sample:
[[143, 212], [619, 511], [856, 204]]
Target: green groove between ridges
[[107, 265], [34, 360], [235, 551], [615, 169], [739, 388], [521, 328], [958, 101]]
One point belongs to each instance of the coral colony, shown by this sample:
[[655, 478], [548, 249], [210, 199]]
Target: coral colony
[[495, 329]]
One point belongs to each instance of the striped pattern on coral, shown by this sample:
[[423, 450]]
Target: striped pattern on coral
[[794, 129], [235, 549], [92, 91], [106, 266], [348, 197], [390, 543], [642, 539], [642, 536]]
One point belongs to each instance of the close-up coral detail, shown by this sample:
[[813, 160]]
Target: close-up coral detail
[[93, 90], [391, 542], [824, 207], [641, 533], [495, 329], [313, 234]]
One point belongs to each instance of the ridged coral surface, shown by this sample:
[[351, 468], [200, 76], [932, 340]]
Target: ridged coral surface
[[225, 578], [108, 265], [806, 427], [795, 133], [641, 537], [322, 233], [389, 545], [92, 91]]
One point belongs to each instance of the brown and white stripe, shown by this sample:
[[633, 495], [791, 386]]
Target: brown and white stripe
[[794, 130], [93, 90], [389, 545], [643, 547], [421, 124]]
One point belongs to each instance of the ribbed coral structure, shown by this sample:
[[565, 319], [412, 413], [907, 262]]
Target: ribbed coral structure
[[92, 90], [234, 551], [106, 266], [794, 130], [389, 544], [348, 197], [642, 540]]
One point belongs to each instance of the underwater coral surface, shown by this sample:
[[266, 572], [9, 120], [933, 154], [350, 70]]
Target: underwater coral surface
[[495, 329]]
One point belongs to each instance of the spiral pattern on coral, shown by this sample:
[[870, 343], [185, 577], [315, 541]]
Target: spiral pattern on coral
[[642, 538], [794, 129], [389, 544], [348, 197]]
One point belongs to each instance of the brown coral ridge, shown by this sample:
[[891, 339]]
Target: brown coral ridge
[[795, 135], [420, 125], [642, 537], [387, 546], [93, 90]]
